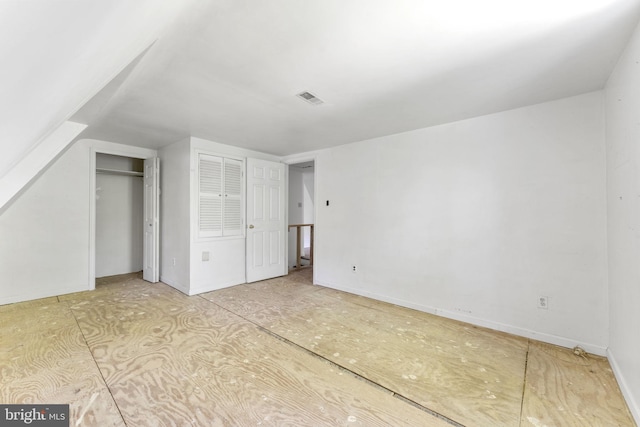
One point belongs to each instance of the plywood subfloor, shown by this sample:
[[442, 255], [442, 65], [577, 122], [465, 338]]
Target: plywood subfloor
[[285, 352], [172, 360], [565, 390], [44, 359], [471, 376]]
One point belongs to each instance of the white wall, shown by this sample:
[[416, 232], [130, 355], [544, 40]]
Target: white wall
[[178, 216], [44, 245], [47, 244], [37, 160], [623, 201], [175, 214], [476, 219], [226, 265], [119, 217]]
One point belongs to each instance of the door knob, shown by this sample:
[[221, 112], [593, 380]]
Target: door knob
[[251, 226]]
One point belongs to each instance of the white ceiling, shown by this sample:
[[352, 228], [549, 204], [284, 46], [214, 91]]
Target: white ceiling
[[229, 70], [56, 54]]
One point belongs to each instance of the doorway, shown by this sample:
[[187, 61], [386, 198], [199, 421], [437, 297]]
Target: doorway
[[301, 212], [119, 161], [119, 215]]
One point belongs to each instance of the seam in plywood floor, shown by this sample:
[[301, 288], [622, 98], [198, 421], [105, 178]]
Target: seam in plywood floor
[[104, 380], [346, 370], [524, 382], [540, 364]]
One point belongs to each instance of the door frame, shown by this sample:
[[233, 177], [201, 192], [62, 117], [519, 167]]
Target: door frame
[[104, 147], [292, 160], [151, 213], [249, 202]]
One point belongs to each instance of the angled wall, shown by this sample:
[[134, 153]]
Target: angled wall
[[44, 233], [47, 233], [37, 160], [48, 74]]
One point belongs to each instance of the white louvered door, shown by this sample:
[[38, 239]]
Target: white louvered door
[[209, 196], [219, 196], [232, 203]]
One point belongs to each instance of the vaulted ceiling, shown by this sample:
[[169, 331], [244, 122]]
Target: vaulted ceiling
[[229, 70]]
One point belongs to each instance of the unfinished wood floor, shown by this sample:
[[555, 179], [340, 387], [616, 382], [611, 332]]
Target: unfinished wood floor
[[284, 352]]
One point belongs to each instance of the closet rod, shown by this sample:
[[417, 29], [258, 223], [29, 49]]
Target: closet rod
[[118, 172]]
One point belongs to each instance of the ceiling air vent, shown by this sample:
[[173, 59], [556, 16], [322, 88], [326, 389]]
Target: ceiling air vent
[[310, 98]]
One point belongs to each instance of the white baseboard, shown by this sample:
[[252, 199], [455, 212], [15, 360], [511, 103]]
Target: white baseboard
[[30, 296], [175, 284], [515, 330], [209, 287], [632, 401], [188, 290]]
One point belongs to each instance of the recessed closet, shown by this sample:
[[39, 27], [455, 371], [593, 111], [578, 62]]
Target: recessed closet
[[119, 215]]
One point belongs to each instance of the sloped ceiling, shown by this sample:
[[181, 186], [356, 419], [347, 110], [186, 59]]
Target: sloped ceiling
[[229, 70], [55, 55]]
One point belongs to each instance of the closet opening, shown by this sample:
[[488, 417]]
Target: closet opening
[[119, 215]]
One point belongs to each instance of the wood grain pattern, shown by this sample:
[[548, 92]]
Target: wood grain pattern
[[170, 359], [147, 355], [44, 359], [470, 375], [563, 389]]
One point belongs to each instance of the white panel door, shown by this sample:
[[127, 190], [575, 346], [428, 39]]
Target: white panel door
[[151, 269], [266, 227]]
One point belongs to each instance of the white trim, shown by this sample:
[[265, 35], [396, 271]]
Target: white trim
[[175, 285], [286, 223], [209, 288], [30, 296], [45, 152], [497, 326], [194, 163], [104, 147], [200, 289], [116, 149], [91, 284], [630, 399], [301, 157], [311, 156]]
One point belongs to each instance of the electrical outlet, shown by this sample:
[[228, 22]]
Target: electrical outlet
[[543, 302], [174, 262], [353, 268]]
